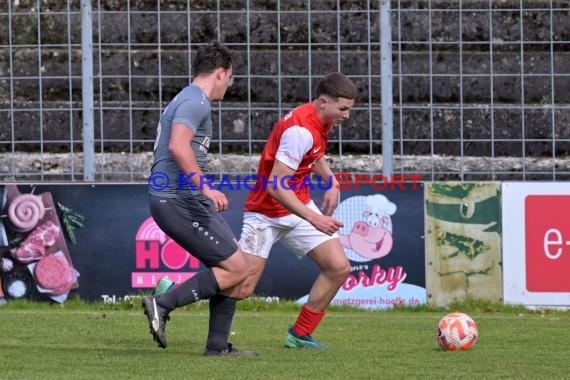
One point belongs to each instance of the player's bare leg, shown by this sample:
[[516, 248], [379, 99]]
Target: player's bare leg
[[255, 265], [231, 271], [334, 267]]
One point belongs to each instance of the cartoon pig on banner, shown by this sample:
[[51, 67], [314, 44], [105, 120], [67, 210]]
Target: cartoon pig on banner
[[371, 236]]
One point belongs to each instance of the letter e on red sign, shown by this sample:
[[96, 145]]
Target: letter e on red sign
[[547, 237]]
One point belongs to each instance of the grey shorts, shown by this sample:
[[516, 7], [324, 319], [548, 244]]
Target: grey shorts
[[195, 226]]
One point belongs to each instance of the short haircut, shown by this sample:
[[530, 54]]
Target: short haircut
[[211, 57], [336, 85]]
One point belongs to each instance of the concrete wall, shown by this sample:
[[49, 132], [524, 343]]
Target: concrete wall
[[513, 84]]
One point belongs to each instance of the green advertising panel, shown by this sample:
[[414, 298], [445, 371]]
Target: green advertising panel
[[463, 241]]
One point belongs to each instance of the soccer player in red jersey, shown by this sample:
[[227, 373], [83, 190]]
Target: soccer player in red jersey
[[279, 209]]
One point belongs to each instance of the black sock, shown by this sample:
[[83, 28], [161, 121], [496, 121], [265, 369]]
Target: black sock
[[222, 310], [201, 286]]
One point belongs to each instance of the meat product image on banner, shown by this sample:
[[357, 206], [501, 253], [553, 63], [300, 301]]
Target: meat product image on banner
[[54, 275], [34, 229]]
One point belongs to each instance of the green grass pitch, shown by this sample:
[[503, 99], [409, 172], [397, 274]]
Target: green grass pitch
[[101, 341]]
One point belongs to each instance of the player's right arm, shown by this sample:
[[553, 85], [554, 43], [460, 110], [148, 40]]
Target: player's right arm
[[181, 149], [288, 199]]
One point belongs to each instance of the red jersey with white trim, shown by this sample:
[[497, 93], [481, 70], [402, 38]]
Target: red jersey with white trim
[[298, 140]]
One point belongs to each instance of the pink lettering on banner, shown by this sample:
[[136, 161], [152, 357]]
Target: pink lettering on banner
[[147, 254], [150, 279], [175, 257], [392, 276], [153, 250]]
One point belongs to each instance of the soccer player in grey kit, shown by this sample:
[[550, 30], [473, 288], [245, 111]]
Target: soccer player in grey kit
[[189, 212]]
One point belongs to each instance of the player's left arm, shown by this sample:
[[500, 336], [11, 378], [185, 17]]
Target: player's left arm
[[331, 198]]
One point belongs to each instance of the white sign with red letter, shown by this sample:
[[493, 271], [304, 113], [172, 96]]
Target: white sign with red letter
[[536, 243]]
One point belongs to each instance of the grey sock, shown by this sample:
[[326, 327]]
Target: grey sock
[[201, 286], [222, 310]]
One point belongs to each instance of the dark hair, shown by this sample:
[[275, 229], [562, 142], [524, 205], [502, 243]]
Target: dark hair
[[211, 57], [336, 85]]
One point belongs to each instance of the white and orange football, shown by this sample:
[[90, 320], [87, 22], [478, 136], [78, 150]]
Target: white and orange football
[[457, 331]]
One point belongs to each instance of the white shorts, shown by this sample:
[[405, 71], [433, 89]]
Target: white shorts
[[260, 232]]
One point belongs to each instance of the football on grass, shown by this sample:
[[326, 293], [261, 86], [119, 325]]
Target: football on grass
[[457, 331]]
